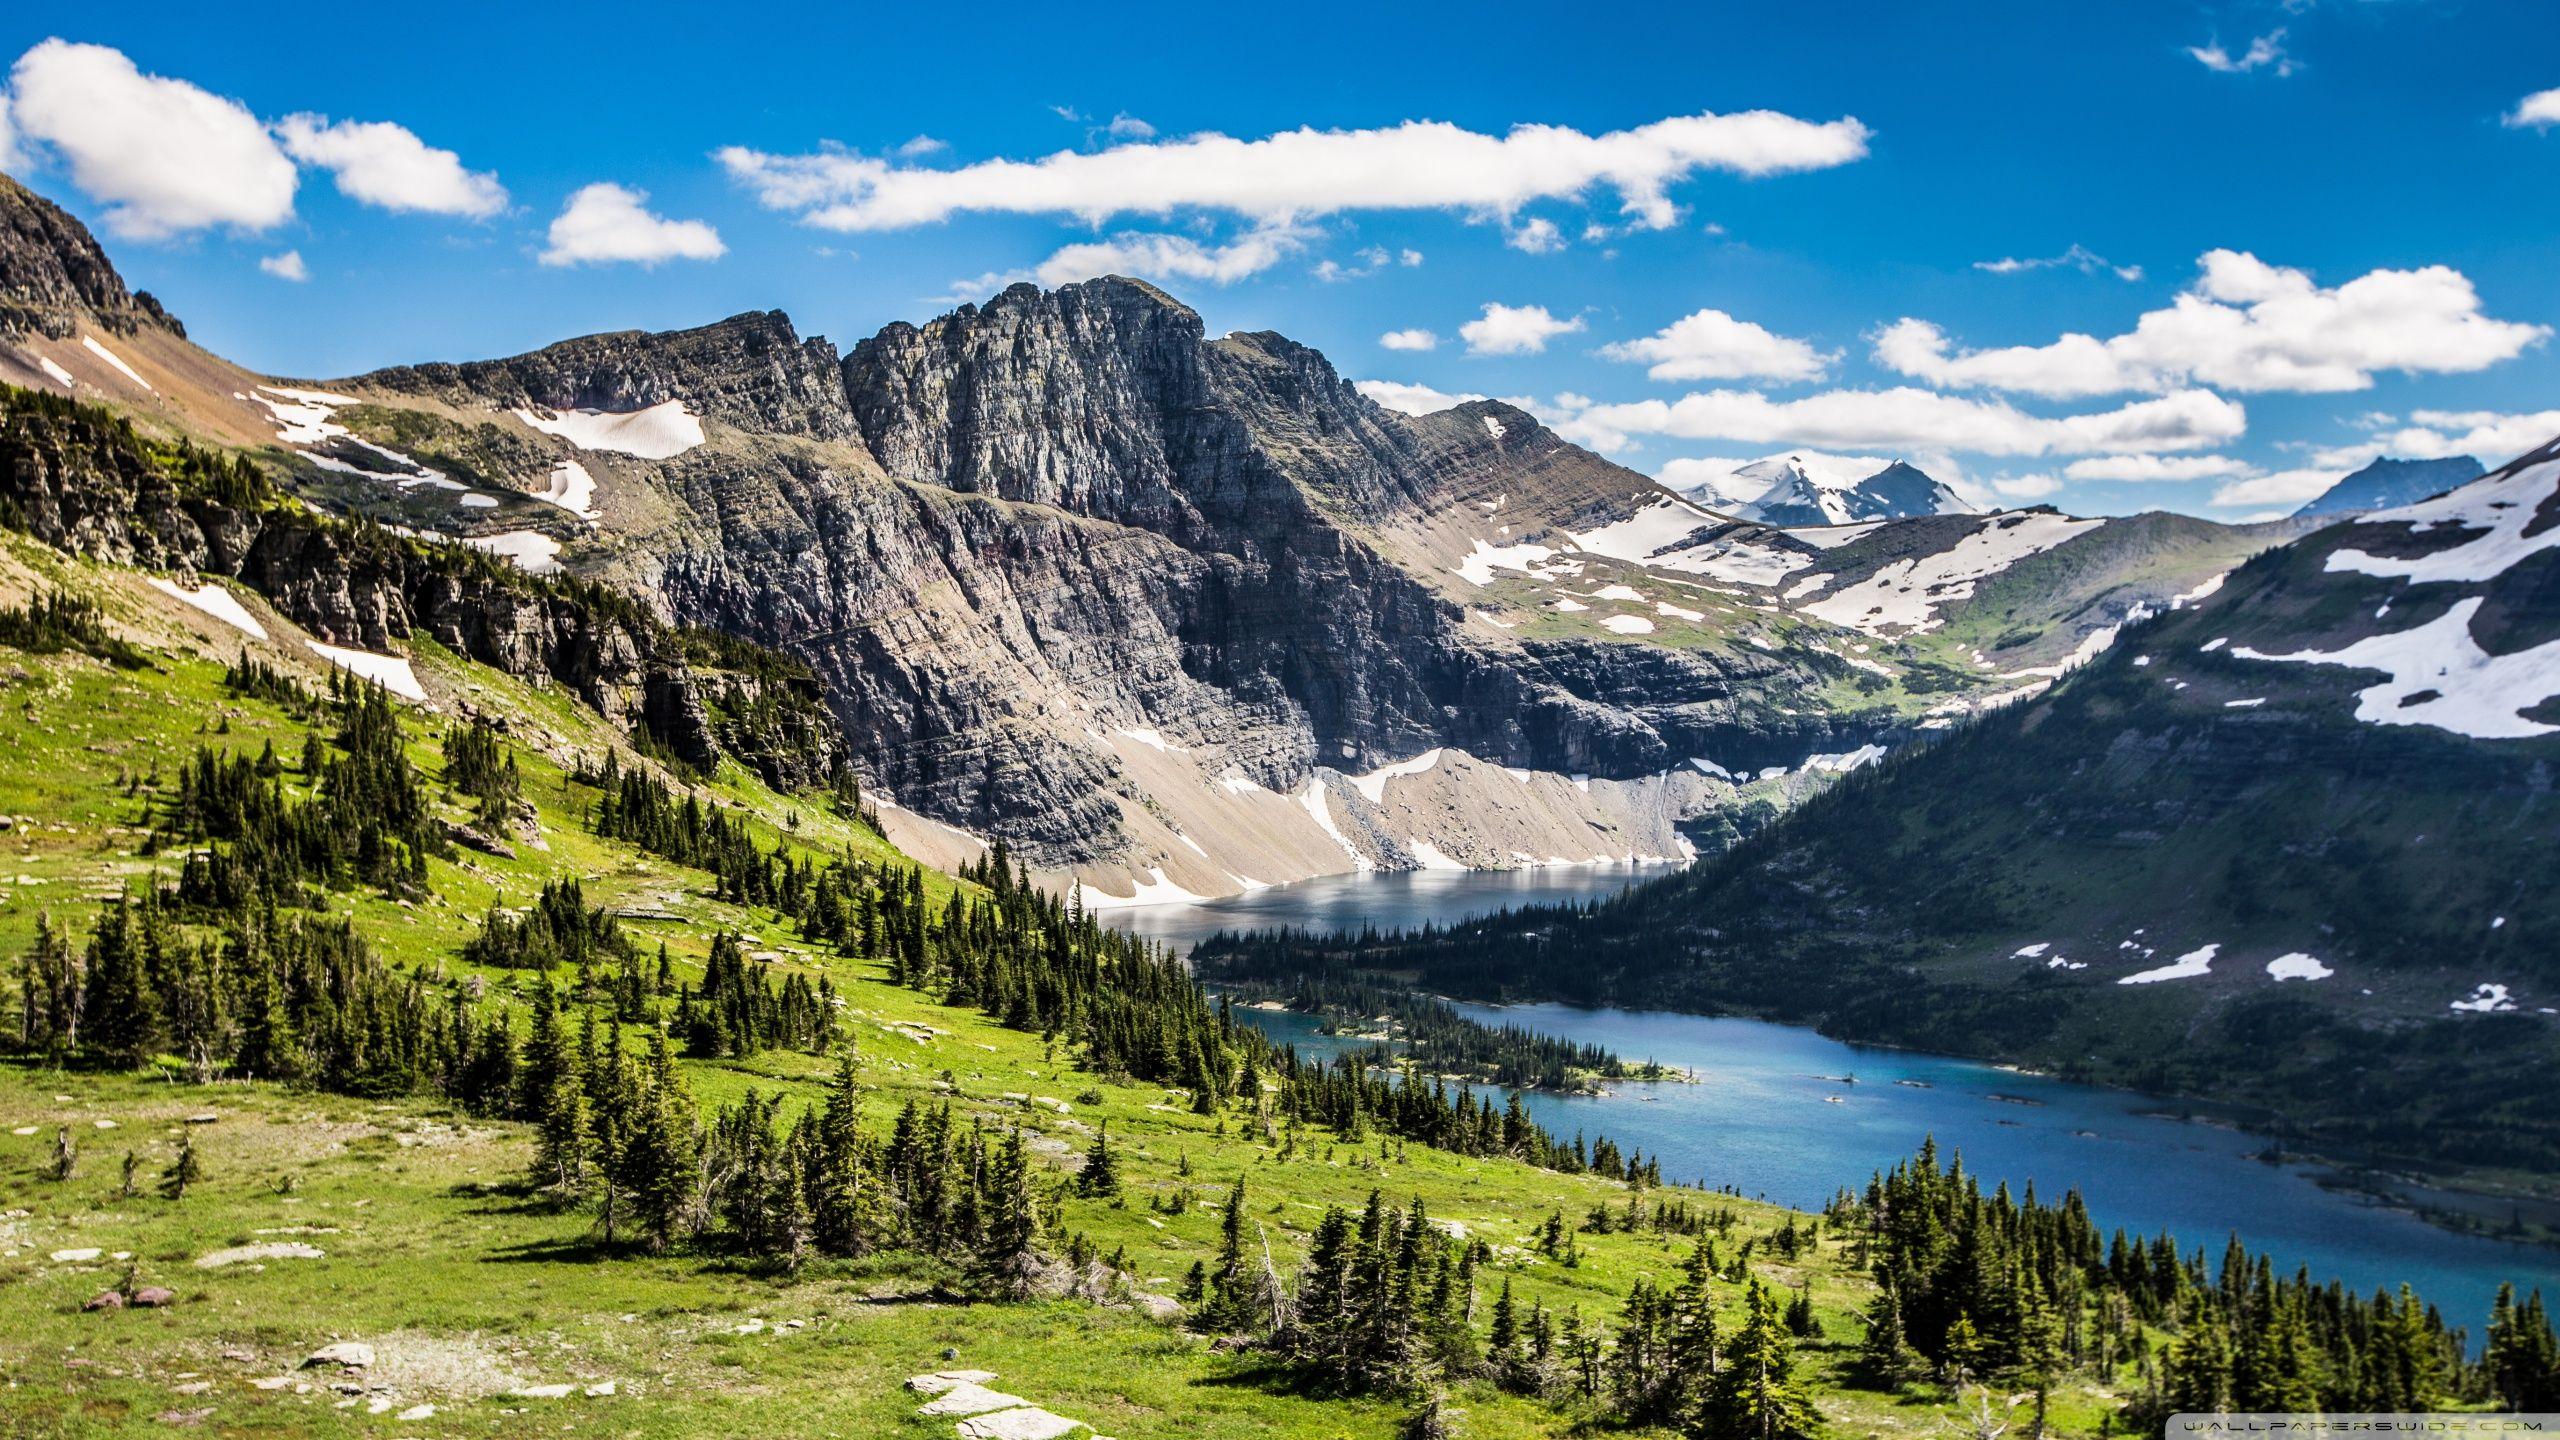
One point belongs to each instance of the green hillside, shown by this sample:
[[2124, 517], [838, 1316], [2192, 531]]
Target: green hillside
[[760, 1120]]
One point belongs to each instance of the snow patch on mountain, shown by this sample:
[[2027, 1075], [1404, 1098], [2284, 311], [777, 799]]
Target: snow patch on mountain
[[1903, 596], [660, 432], [2440, 676], [2503, 505]]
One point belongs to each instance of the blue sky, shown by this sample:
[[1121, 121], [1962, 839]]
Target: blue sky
[[2378, 182]]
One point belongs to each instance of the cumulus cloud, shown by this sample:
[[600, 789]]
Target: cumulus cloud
[[607, 224], [1907, 419], [1712, 345], [1536, 236], [287, 266], [1304, 173], [1410, 399], [1416, 339], [2244, 325], [383, 164], [10, 159], [2264, 53], [2540, 110], [2145, 468], [2492, 437], [2078, 257], [162, 156], [1514, 330], [2287, 488], [2025, 487], [1173, 257]]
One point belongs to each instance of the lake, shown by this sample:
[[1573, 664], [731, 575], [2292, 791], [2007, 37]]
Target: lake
[[1775, 1114]]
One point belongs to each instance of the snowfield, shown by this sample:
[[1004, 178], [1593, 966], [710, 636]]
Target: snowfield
[[2502, 505], [2298, 966], [1479, 564], [532, 551], [1374, 784], [1654, 537], [1627, 624], [1154, 890], [572, 489], [90, 342], [215, 601], [661, 432], [391, 672], [2185, 967], [1904, 596], [2440, 676]]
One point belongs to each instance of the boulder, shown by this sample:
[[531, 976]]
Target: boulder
[[104, 1300], [345, 1354], [152, 1297]]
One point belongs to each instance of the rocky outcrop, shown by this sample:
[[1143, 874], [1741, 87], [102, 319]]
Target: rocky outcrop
[[83, 483], [52, 273], [750, 371]]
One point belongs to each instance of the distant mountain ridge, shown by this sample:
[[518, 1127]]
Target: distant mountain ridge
[[1806, 488], [2316, 804], [2386, 482]]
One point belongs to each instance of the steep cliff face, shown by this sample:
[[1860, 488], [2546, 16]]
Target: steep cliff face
[[751, 371], [1167, 612], [52, 274]]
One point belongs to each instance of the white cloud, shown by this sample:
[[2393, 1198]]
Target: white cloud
[[1410, 399], [1409, 257], [1514, 330], [2078, 257], [1298, 174], [919, 147], [382, 164], [2540, 110], [2285, 487], [607, 224], [1125, 126], [10, 158], [1537, 236], [163, 156], [287, 266], [1409, 340], [1366, 262], [1173, 257], [1712, 345], [1907, 419], [2488, 436], [2025, 487], [2144, 468], [2244, 325], [2267, 51]]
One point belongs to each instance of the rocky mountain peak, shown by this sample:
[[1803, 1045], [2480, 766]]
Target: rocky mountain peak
[[751, 371], [53, 273]]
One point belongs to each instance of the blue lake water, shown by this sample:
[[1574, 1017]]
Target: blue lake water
[[1773, 1115]]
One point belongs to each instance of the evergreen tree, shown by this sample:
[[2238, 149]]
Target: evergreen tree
[[183, 1172], [1755, 1395], [1100, 1178]]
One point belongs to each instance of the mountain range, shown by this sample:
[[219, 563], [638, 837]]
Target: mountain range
[[2385, 482], [2285, 847], [1807, 488], [1169, 614]]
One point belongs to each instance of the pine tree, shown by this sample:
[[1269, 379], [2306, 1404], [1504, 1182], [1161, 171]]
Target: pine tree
[[183, 1172], [1885, 1357], [1009, 1257], [1100, 1178], [1755, 1395]]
